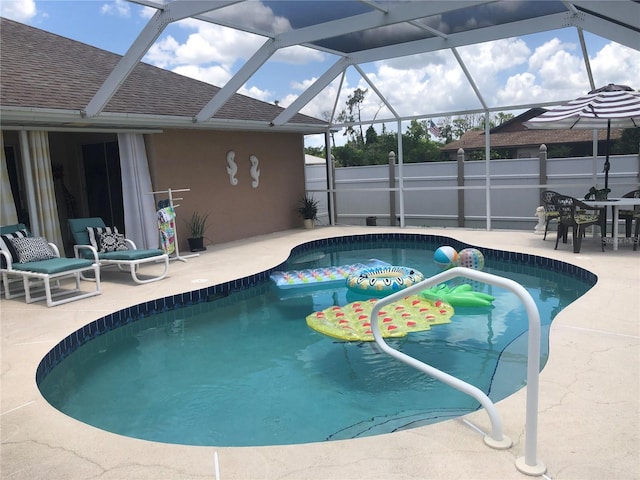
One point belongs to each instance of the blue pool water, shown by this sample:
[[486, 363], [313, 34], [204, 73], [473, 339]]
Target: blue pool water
[[244, 369]]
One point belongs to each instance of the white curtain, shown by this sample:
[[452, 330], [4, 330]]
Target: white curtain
[[8, 215], [36, 165], [139, 208]]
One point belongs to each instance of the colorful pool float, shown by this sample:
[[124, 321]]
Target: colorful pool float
[[313, 276], [383, 280], [458, 296], [352, 322]]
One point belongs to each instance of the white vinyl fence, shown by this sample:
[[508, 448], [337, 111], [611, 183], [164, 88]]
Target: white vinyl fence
[[457, 194]]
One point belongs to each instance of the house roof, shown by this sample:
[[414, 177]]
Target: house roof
[[48, 80], [514, 134]]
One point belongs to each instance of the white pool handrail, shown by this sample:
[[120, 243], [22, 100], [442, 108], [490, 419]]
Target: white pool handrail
[[527, 464]]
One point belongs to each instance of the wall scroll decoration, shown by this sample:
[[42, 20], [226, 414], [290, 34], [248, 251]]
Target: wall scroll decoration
[[232, 168], [255, 171]]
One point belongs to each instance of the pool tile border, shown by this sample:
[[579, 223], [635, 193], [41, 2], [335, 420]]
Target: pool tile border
[[174, 302]]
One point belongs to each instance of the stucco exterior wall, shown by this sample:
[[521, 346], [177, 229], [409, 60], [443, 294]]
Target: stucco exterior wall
[[197, 160]]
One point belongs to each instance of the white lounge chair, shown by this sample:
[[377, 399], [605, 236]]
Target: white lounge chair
[[106, 246], [38, 265]]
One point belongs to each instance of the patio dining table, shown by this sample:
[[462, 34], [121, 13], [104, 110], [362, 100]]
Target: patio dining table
[[615, 204]]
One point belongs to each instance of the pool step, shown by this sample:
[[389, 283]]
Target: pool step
[[397, 422]]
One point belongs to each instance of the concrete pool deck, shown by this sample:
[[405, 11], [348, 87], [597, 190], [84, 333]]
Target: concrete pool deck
[[589, 403]]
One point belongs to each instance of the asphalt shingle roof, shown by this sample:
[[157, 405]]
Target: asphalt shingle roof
[[514, 134], [44, 70]]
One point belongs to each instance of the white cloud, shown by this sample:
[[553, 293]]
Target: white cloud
[[557, 68], [405, 90], [298, 55], [557, 73], [119, 8], [410, 62], [322, 104], [252, 15], [215, 75], [216, 43], [616, 64], [543, 52], [435, 82], [255, 92], [161, 53], [490, 59], [211, 53], [147, 12], [19, 10], [520, 89], [211, 44]]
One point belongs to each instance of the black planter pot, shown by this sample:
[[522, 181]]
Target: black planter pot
[[196, 244]]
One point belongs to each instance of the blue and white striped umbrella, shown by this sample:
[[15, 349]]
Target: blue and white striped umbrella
[[615, 106]]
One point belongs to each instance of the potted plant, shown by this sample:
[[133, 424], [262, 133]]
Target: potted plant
[[308, 210], [197, 225]]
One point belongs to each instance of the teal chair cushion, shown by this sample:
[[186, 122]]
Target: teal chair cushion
[[12, 228], [130, 255], [53, 265], [79, 227]]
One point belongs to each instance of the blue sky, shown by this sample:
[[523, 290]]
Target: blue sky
[[536, 68]]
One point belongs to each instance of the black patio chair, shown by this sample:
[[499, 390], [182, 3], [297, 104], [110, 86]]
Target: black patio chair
[[577, 216], [550, 212], [628, 215]]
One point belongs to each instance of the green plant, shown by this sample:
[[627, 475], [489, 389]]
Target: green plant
[[308, 207], [197, 225]]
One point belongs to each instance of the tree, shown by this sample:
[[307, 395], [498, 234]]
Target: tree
[[315, 151], [372, 135], [502, 117], [628, 142], [417, 130], [495, 121], [453, 128], [460, 126], [417, 145], [352, 115], [446, 132], [482, 124], [347, 155], [326, 116]]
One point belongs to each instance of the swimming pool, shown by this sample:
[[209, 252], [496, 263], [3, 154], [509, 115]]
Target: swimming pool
[[302, 386]]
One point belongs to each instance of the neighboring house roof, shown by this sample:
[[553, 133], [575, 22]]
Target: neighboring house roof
[[313, 160], [48, 79], [514, 134]]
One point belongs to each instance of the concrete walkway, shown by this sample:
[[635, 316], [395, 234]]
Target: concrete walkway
[[589, 412]]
